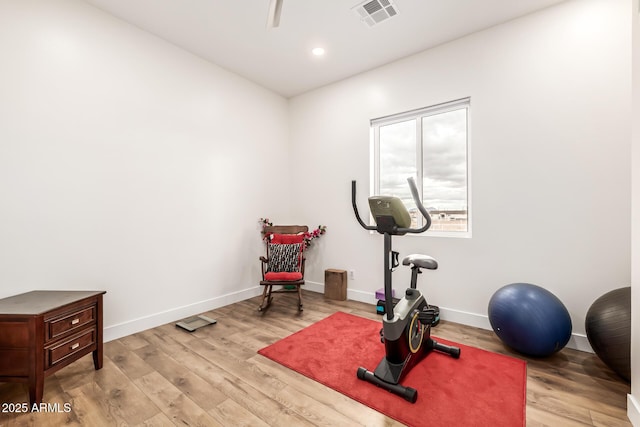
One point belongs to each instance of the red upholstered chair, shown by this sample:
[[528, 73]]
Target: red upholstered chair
[[284, 263]]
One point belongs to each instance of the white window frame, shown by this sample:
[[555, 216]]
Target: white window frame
[[418, 114]]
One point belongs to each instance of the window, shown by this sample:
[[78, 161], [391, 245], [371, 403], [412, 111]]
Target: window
[[430, 144]]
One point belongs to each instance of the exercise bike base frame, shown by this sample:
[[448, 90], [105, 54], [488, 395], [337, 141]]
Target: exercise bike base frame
[[408, 393]]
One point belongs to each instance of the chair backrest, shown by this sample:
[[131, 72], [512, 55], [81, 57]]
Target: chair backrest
[[285, 246], [286, 229]]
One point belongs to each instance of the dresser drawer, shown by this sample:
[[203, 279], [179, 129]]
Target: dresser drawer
[[59, 326], [68, 347]]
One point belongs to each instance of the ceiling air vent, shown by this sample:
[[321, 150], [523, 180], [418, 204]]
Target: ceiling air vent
[[373, 12]]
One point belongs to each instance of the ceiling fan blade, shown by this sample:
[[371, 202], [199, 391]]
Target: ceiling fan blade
[[275, 10]]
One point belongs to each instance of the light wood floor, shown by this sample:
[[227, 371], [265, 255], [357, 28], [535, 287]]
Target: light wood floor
[[166, 376]]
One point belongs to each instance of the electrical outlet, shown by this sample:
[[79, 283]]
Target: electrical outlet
[[352, 275]]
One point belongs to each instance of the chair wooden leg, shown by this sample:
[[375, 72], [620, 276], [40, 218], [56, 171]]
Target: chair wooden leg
[[266, 295], [299, 298]]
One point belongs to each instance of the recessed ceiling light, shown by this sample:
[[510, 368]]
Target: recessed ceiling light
[[318, 51]]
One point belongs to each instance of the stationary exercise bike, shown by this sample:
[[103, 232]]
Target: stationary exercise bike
[[406, 329]]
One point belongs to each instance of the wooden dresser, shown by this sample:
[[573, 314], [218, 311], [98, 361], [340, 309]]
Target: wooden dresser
[[44, 331]]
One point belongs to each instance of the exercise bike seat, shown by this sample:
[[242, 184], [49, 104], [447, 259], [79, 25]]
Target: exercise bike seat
[[422, 261]]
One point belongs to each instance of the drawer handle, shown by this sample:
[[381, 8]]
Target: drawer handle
[[76, 345], [75, 321]]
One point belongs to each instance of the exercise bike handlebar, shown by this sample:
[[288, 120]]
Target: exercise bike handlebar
[[421, 208], [416, 199], [355, 208]]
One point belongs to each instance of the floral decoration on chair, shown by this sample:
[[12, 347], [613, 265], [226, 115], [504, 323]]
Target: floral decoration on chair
[[309, 236]]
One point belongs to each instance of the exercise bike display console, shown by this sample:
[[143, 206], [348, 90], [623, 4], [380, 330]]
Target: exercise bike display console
[[406, 328]]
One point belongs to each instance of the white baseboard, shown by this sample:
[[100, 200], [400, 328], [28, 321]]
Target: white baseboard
[[120, 330], [576, 342], [113, 332], [315, 287], [633, 410], [580, 342]]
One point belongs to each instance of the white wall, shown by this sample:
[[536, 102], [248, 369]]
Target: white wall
[[550, 171], [633, 404], [129, 165]]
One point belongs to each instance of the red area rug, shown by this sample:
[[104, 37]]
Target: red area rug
[[479, 389]]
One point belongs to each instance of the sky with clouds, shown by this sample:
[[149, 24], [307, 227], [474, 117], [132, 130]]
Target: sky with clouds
[[444, 160]]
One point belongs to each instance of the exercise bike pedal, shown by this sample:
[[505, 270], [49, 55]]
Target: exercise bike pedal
[[429, 316], [436, 318]]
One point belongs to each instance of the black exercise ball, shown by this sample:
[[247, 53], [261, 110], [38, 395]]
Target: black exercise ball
[[608, 327]]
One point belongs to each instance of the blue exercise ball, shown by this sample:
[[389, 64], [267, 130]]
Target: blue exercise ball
[[529, 319]]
